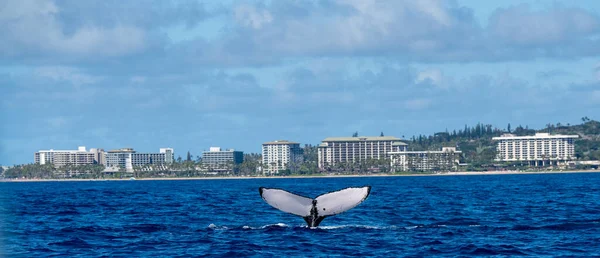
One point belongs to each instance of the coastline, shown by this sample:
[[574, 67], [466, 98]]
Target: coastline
[[464, 173]]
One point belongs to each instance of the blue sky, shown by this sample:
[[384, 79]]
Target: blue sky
[[191, 74]]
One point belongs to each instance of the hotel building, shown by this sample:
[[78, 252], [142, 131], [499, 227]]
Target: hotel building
[[445, 160], [77, 157], [280, 155], [335, 150], [539, 149], [216, 158], [128, 158]]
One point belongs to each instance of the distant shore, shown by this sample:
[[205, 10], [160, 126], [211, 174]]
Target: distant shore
[[477, 173]]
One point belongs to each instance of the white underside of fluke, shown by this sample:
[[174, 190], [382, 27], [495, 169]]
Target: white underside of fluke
[[337, 202], [328, 204], [287, 202]]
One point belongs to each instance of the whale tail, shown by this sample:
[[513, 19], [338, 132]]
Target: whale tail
[[315, 210]]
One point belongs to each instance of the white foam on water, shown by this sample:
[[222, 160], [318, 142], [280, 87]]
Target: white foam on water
[[215, 227], [357, 226], [426, 226], [281, 225]]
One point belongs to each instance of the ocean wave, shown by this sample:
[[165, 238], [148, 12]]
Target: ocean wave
[[283, 225], [356, 226], [566, 226], [215, 227], [74, 242], [147, 228]]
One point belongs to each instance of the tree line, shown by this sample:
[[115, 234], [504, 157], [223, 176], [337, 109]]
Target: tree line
[[479, 152]]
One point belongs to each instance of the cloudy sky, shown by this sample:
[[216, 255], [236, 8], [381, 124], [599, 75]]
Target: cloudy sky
[[191, 74]]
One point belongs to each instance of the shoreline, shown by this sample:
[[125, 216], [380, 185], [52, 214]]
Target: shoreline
[[464, 173]]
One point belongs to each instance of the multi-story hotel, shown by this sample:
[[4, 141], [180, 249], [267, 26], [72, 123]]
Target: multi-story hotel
[[77, 157], [217, 158], [280, 155], [539, 149], [445, 160], [335, 150], [128, 158]]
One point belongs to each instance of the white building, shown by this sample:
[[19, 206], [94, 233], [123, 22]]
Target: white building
[[335, 150], [128, 158], [77, 157], [280, 155], [539, 149], [445, 160], [224, 160]]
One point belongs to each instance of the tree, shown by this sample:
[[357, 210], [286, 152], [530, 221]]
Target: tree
[[189, 156], [508, 128], [381, 134], [355, 134]]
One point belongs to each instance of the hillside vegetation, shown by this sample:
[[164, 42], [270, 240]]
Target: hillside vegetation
[[479, 150], [475, 142]]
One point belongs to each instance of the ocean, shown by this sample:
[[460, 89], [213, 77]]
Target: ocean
[[486, 215]]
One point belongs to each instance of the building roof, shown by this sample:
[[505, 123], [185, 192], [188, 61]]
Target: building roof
[[424, 152], [122, 150], [361, 138], [283, 142], [221, 151], [536, 136], [63, 151]]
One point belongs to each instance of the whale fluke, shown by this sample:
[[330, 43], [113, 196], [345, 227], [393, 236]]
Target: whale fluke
[[315, 210]]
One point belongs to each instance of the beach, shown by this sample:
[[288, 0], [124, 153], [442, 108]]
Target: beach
[[462, 173]]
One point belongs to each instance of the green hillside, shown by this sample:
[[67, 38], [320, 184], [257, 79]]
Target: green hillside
[[475, 142], [479, 150]]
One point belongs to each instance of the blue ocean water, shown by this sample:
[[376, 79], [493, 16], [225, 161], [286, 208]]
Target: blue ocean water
[[505, 215]]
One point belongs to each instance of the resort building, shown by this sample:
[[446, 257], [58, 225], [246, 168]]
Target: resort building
[[445, 160], [334, 150], [128, 158], [216, 158], [77, 157], [120, 158], [540, 149], [280, 155]]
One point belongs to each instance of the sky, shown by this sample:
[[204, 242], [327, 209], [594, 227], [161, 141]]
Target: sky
[[191, 74]]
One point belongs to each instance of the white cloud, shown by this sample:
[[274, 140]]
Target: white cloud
[[250, 16], [349, 27], [434, 76], [30, 27], [523, 26], [274, 32], [116, 41], [436, 10], [12, 10], [423, 31]]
